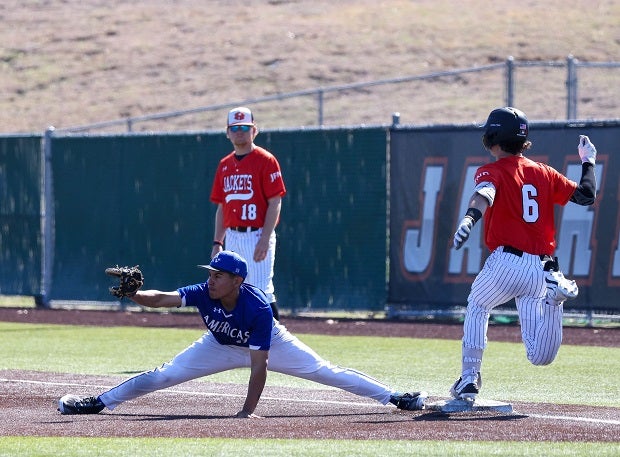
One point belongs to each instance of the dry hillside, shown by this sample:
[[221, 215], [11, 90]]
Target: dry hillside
[[75, 62]]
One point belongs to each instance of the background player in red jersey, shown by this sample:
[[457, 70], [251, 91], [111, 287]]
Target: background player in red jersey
[[248, 190], [517, 196]]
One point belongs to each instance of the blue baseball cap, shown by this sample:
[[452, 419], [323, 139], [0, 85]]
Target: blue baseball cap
[[230, 262]]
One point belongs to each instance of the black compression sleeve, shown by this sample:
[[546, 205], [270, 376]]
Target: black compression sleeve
[[585, 193]]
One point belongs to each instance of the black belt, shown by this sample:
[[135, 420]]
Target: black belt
[[519, 252], [244, 229]]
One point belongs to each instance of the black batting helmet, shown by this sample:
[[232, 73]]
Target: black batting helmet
[[505, 125]]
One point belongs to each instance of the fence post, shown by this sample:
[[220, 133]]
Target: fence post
[[571, 88], [510, 88], [319, 95], [395, 119], [47, 220]]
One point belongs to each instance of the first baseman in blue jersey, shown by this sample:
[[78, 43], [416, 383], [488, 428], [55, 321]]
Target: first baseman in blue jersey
[[248, 325], [241, 333]]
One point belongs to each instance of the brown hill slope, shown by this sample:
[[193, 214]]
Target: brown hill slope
[[71, 62]]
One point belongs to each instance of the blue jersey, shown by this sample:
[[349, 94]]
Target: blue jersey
[[248, 325]]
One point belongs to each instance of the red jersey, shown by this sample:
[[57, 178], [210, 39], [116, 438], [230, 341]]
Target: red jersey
[[522, 215], [244, 186]]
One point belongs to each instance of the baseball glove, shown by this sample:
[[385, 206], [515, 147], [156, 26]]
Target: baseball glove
[[130, 280]]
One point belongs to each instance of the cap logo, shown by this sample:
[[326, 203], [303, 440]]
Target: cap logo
[[240, 115]]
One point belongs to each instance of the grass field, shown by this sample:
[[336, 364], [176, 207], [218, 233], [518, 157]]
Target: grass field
[[430, 364], [103, 447]]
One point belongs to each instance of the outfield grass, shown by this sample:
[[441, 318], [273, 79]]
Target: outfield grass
[[577, 376]]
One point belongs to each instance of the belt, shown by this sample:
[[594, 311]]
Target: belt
[[519, 252], [244, 229]]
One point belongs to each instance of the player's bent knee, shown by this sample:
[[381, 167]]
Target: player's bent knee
[[540, 363], [541, 359]]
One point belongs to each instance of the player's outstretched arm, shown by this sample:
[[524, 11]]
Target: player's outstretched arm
[[157, 299], [585, 193]]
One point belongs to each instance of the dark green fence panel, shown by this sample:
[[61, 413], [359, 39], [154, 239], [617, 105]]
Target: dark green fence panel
[[331, 250], [20, 215], [135, 199], [144, 199]]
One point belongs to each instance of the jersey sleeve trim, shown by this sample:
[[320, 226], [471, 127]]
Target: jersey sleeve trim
[[487, 190]]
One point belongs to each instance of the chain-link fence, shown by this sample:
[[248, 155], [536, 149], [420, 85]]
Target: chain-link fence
[[545, 90]]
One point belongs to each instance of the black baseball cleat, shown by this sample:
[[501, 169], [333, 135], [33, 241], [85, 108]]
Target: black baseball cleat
[[467, 387], [72, 404], [413, 401]]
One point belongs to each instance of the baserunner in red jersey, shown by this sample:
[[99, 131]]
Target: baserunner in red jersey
[[516, 196]]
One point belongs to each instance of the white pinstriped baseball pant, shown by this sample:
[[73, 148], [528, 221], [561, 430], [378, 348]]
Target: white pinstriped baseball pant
[[260, 274], [503, 277]]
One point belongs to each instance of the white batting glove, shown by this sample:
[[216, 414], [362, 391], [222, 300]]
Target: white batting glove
[[586, 149], [463, 231]]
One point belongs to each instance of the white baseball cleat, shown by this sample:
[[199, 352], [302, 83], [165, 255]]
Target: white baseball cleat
[[467, 387], [559, 288]]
